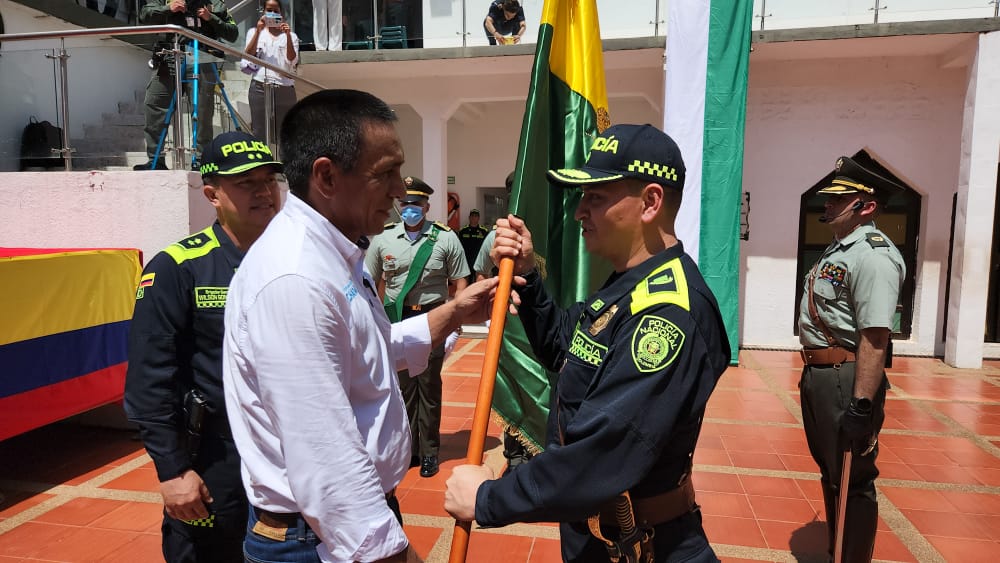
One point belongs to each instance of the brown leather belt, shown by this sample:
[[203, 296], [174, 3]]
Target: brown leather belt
[[833, 355], [656, 510], [280, 521], [422, 308]]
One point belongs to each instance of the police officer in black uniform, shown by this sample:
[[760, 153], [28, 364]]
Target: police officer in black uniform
[[637, 362], [472, 236], [173, 388]]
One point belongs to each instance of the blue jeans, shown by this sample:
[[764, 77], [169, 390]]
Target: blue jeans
[[298, 546]]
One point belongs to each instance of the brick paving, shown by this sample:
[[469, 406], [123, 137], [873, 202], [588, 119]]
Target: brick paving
[[78, 494]]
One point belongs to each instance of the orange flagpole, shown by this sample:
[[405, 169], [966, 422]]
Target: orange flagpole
[[487, 378]]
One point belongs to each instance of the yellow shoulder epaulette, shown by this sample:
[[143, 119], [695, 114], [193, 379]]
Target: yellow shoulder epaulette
[[194, 246], [390, 225], [665, 285], [442, 226]]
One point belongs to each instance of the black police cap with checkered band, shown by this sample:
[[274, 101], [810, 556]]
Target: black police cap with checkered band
[[642, 152]]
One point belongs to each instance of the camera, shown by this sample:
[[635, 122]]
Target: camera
[[192, 6], [272, 19]]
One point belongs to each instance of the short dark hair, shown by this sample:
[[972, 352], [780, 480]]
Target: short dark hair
[[328, 124], [281, 7], [511, 5]]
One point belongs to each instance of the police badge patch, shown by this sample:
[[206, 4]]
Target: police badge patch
[[655, 343]]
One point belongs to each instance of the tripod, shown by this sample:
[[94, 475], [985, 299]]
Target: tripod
[[195, 79]]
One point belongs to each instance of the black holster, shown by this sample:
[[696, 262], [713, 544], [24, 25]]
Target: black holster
[[637, 547], [195, 407]]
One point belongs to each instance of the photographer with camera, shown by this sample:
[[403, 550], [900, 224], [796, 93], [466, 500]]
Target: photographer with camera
[[278, 46], [209, 18]]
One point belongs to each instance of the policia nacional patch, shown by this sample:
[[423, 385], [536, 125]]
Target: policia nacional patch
[[655, 343]]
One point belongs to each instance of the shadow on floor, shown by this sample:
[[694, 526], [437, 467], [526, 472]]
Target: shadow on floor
[[808, 543]]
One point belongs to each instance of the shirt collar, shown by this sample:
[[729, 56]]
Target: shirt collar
[[302, 213], [620, 283], [423, 230], [857, 234], [233, 255]]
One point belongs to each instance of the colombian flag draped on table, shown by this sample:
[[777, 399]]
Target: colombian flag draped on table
[[708, 56], [63, 333], [567, 107]]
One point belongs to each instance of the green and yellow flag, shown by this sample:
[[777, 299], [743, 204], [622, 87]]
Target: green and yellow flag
[[567, 107]]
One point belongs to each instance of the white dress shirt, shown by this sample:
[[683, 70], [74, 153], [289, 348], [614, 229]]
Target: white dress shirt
[[309, 372]]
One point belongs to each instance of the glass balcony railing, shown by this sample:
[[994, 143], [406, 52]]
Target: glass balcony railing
[[449, 23], [787, 14], [93, 91], [459, 23], [98, 96]]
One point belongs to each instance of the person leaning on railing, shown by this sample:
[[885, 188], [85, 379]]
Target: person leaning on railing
[[504, 23], [209, 18], [278, 45]]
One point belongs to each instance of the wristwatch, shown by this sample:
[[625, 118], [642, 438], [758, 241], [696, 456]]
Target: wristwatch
[[862, 404]]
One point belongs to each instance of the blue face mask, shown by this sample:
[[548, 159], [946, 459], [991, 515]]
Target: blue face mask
[[412, 215], [272, 15]]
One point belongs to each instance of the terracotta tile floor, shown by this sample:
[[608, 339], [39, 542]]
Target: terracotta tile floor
[[79, 494]]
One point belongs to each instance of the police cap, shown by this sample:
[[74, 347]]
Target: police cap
[[852, 178], [417, 191], [236, 152], [642, 152]]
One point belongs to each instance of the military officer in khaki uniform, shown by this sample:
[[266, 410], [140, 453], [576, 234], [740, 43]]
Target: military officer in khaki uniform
[[413, 261], [845, 319]]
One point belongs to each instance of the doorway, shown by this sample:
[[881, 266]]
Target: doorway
[[993, 298]]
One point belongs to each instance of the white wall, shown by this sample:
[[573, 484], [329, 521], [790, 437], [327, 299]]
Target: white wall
[[147, 210], [101, 73], [801, 116]]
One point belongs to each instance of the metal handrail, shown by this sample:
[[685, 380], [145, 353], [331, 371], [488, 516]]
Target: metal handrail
[[67, 151], [153, 30]]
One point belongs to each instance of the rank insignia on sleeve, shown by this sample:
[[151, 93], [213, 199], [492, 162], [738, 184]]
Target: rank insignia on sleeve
[[655, 343], [600, 322]]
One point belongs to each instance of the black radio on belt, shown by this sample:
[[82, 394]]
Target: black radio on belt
[[195, 407], [888, 354]]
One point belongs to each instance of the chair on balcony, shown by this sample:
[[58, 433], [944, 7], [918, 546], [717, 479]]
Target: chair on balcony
[[358, 45], [362, 37], [393, 37]]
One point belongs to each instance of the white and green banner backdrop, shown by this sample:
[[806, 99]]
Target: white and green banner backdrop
[[707, 59]]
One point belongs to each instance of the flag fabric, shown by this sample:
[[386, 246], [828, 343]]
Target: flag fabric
[[708, 55], [566, 108], [63, 344]]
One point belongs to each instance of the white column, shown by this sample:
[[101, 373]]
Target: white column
[[434, 139], [974, 212]]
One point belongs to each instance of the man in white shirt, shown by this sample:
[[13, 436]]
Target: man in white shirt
[[310, 356]]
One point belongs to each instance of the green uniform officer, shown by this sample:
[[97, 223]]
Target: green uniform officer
[[414, 261], [209, 18], [845, 320]]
